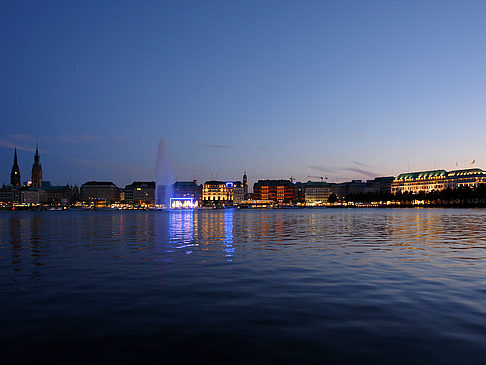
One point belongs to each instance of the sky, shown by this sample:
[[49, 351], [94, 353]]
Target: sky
[[339, 89]]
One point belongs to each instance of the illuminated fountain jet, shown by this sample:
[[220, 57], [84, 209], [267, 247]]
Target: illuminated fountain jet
[[163, 179]]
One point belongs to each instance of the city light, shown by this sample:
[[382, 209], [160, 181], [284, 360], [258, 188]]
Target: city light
[[183, 203]]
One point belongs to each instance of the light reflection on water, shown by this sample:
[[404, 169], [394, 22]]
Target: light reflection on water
[[273, 285]]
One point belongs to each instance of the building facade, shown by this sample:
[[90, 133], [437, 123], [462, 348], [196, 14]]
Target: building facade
[[279, 191], [60, 194], [428, 181], [217, 193], [187, 189], [238, 192], [379, 185], [140, 193], [100, 190], [316, 193], [345, 188]]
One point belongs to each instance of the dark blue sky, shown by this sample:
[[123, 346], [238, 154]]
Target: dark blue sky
[[346, 89]]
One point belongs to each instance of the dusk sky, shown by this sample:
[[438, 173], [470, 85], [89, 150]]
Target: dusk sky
[[344, 89]]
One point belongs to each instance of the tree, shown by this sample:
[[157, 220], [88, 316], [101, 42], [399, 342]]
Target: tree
[[332, 198]]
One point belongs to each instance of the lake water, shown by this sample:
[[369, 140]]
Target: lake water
[[339, 286]]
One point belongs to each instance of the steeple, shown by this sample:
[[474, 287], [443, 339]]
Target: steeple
[[37, 157], [15, 174], [37, 170], [245, 183]]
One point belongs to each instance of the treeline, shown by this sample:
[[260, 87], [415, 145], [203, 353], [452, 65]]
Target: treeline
[[463, 195]]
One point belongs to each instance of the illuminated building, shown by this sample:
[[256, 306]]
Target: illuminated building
[[316, 193], [279, 191], [311, 193], [37, 170], [15, 174], [238, 192], [187, 189], [217, 193], [427, 181], [100, 190], [183, 203]]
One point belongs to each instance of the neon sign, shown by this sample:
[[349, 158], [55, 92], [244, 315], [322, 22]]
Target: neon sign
[[183, 203]]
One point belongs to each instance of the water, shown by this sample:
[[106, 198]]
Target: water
[[234, 286]]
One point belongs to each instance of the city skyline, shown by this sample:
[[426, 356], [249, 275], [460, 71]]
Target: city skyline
[[348, 91]]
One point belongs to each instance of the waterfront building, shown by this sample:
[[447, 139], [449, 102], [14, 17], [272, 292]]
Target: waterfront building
[[100, 190], [299, 193], [60, 194], [279, 191], [316, 193], [33, 196], [379, 185], [311, 193], [15, 174], [217, 193], [428, 181], [6, 194], [350, 187], [37, 170], [140, 192], [238, 192], [187, 189]]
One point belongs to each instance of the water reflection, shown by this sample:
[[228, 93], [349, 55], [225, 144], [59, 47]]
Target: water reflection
[[15, 240], [189, 230], [228, 238], [181, 229]]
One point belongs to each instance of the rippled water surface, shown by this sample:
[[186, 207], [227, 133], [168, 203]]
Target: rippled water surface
[[242, 286]]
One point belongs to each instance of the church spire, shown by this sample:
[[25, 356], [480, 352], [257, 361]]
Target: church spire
[[15, 174], [37, 169]]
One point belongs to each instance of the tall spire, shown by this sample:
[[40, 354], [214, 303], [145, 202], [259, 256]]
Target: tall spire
[[37, 169], [245, 183], [15, 174]]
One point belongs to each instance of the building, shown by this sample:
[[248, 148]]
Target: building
[[311, 193], [60, 194], [37, 170], [316, 193], [428, 181], [15, 174], [6, 195], [238, 192], [345, 188], [279, 191], [379, 185], [217, 193], [100, 190], [33, 196], [187, 189], [140, 193]]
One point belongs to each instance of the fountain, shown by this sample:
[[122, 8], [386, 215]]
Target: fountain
[[163, 179]]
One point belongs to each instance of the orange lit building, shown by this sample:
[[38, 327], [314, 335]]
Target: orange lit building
[[279, 191]]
